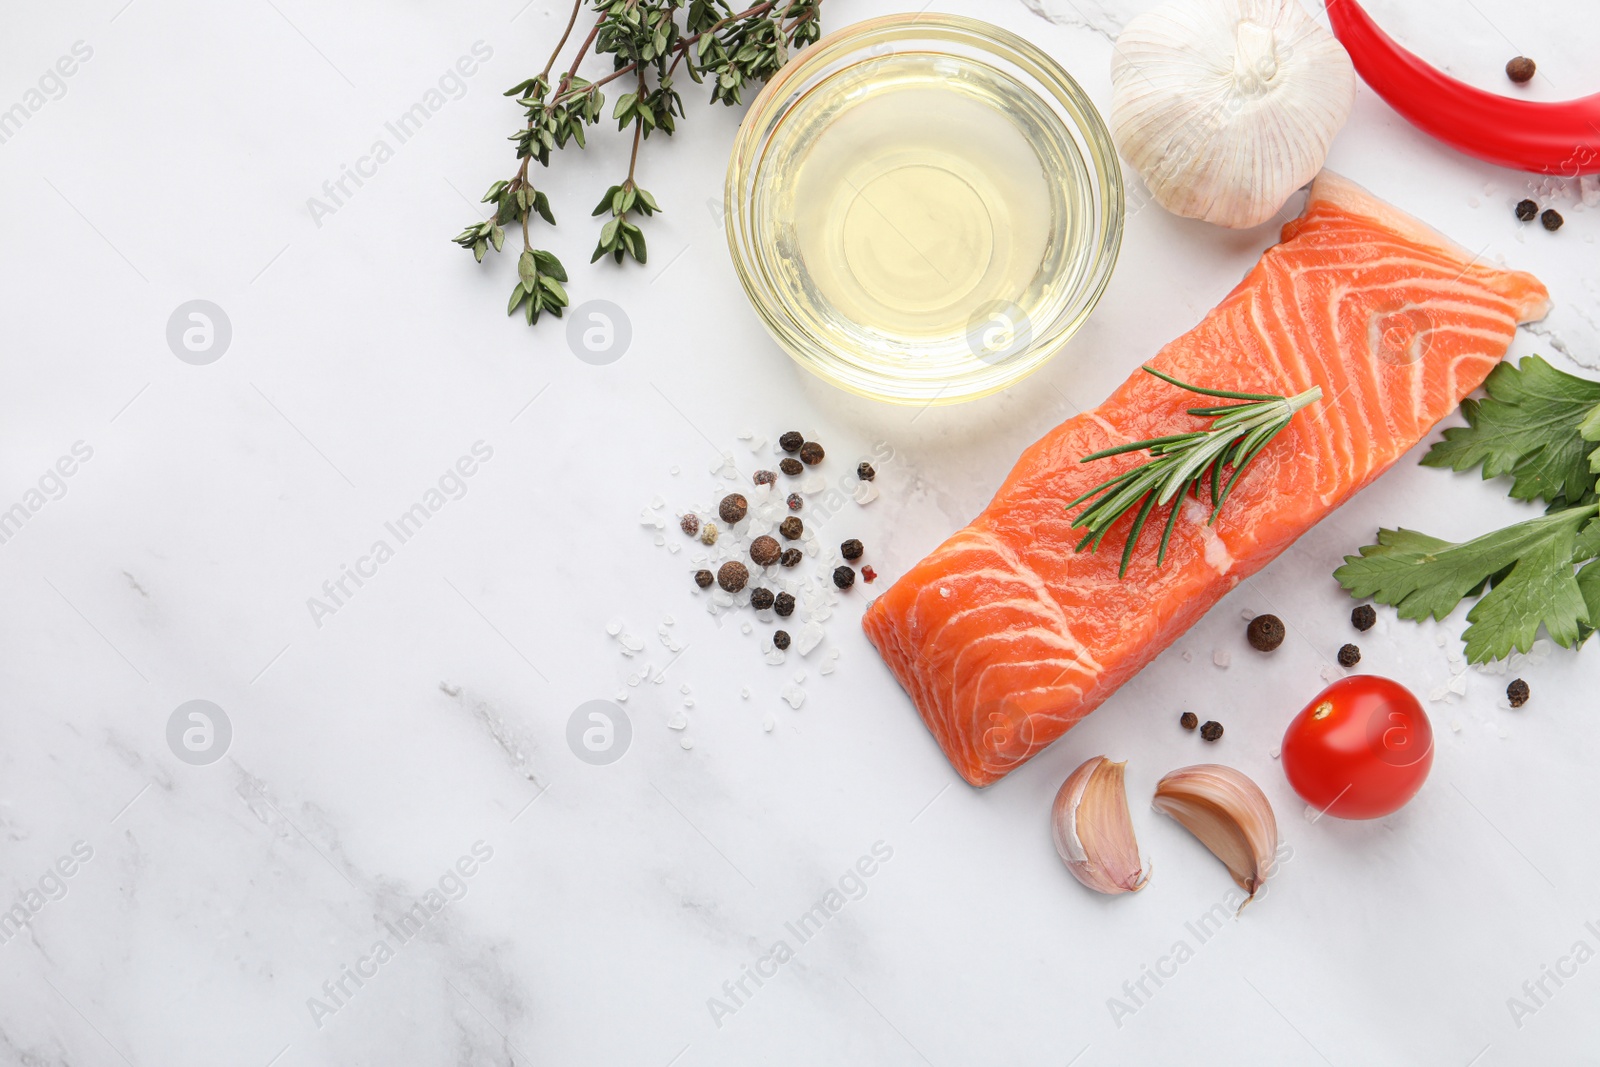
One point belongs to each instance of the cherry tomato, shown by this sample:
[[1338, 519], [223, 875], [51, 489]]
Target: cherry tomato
[[1361, 749]]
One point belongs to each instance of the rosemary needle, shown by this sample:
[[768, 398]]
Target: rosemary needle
[[1182, 463]]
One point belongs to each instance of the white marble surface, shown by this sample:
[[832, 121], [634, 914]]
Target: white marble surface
[[427, 715]]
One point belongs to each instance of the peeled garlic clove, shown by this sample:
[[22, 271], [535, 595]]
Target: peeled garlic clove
[[1093, 831], [1226, 107], [1229, 814]]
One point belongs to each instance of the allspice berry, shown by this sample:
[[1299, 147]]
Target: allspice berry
[[1265, 632], [811, 453], [764, 550], [733, 508], [732, 575], [790, 466], [1521, 70], [1188, 720]]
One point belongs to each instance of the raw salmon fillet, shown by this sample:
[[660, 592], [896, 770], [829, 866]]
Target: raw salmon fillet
[[1005, 636]]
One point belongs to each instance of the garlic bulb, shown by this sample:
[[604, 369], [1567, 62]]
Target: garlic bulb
[[1226, 107], [1092, 829], [1229, 814]]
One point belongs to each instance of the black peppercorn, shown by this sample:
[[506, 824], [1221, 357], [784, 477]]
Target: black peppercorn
[[811, 453], [764, 477], [791, 441], [1349, 656], [790, 466], [761, 599], [690, 524], [1265, 632], [1551, 219], [851, 549], [764, 550], [780, 639], [732, 575], [1527, 210], [733, 508], [1521, 70], [844, 577], [783, 605], [1188, 720], [704, 578], [795, 501], [1517, 693], [791, 527], [865, 472], [791, 557], [1363, 617], [1211, 730]]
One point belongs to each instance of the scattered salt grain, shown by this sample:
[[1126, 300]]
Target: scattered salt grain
[[1247, 614], [633, 679], [613, 628], [674, 548], [661, 539], [1455, 724], [688, 702], [1222, 658], [758, 444], [1188, 657], [685, 743], [745, 435], [621, 697], [659, 679], [1458, 685], [632, 643], [794, 696], [1277, 750], [1437, 693], [865, 493], [657, 503], [799, 677], [649, 518], [678, 721], [684, 689], [675, 470], [768, 723], [775, 656], [1312, 814], [1331, 674], [744, 627], [813, 483], [450, 690], [1440, 639], [810, 637], [745, 692]]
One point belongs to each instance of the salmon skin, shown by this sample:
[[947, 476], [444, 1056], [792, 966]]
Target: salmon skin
[[1005, 636]]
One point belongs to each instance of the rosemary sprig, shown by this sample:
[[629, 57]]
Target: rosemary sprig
[[1181, 464], [712, 40]]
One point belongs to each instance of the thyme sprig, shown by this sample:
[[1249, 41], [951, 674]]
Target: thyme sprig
[[1182, 463], [648, 39]]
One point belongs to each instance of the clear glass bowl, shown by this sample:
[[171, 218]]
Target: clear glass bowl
[[1024, 208]]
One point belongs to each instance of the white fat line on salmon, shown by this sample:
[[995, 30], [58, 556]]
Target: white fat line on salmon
[[1137, 992], [851, 886]]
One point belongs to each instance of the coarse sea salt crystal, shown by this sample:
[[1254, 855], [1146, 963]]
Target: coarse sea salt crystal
[[745, 435], [632, 643], [744, 627], [799, 677], [1458, 685], [675, 469], [678, 721], [827, 667], [775, 656], [794, 696], [649, 518], [1247, 614], [658, 679], [1455, 724], [674, 548], [1440, 639], [813, 483], [661, 539], [1277, 750], [810, 637], [657, 502], [865, 493], [684, 689], [1222, 658], [685, 743], [633, 679], [1437, 693], [768, 722], [1331, 674], [613, 628], [688, 702], [1188, 657], [722, 598], [758, 444], [745, 692]]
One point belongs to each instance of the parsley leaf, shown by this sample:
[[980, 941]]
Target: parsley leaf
[[1527, 569], [1529, 427]]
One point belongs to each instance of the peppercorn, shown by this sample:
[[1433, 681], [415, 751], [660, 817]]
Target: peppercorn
[[1527, 210], [791, 441], [690, 524], [761, 599], [708, 534], [844, 577], [764, 550], [1363, 617], [795, 501], [703, 578], [732, 575], [1551, 219], [733, 508], [780, 639], [765, 477], [1188, 720], [790, 466], [1517, 693], [1211, 731], [868, 574], [791, 557], [791, 527], [865, 472], [811, 453], [1521, 70], [852, 549], [1265, 633], [1349, 656], [784, 604]]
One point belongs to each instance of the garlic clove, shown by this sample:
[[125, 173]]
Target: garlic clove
[[1226, 107], [1093, 830], [1229, 814]]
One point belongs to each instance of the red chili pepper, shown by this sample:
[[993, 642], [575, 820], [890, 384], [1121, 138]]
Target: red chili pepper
[[1548, 138]]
